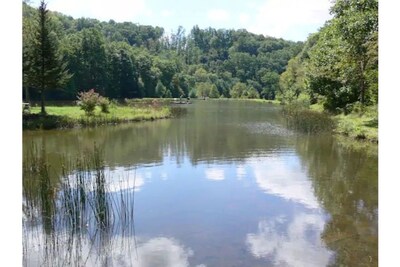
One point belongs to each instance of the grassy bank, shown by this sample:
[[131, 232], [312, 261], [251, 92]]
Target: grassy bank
[[361, 124], [73, 116]]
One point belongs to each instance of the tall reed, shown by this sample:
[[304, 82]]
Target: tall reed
[[307, 121], [82, 210]]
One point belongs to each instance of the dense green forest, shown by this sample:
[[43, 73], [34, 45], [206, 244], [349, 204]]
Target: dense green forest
[[337, 66], [125, 60]]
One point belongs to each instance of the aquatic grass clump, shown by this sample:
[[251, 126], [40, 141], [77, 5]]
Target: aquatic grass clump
[[81, 205], [307, 121]]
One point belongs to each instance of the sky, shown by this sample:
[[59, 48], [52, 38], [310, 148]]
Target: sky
[[288, 19]]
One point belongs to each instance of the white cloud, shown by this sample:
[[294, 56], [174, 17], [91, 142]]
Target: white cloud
[[298, 244], [283, 177], [120, 251], [244, 18], [118, 10], [218, 15], [283, 18], [215, 174]]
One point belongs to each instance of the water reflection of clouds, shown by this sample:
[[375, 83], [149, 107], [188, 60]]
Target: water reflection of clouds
[[119, 251], [284, 177], [295, 243], [240, 172], [117, 185], [115, 180], [215, 174], [162, 251]]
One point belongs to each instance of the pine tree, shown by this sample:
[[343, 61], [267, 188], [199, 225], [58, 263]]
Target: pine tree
[[47, 71]]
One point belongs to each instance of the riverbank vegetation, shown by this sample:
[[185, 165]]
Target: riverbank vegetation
[[360, 124], [337, 69], [305, 120], [74, 116]]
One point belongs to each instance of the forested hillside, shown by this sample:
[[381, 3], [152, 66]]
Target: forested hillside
[[126, 60]]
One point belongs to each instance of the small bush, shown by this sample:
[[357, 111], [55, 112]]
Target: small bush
[[104, 104], [88, 101]]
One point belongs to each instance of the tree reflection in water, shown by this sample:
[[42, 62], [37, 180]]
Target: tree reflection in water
[[345, 181]]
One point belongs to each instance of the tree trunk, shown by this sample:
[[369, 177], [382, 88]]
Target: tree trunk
[[27, 97], [362, 83], [43, 111]]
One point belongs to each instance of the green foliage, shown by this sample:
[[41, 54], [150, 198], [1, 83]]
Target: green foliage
[[291, 83], [125, 60], [251, 92], [161, 90], [43, 66], [240, 90], [87, 101], [361, 122], [343, 63], [205, 89], [74, 116], [213, 92], [104, 104], [300, 118]]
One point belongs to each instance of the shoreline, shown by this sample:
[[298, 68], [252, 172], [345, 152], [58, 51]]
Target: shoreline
[[69, 117]]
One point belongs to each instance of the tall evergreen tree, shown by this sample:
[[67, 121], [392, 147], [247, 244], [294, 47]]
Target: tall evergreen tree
[[47, 71]]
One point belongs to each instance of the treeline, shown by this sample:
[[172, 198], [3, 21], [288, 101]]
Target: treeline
[[338, 65], [126, 60]]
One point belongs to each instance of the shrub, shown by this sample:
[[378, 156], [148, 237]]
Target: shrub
[[88, 101], [104, 104]]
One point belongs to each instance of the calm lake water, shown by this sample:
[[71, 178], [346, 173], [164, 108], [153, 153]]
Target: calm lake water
[[226, 185]]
